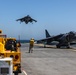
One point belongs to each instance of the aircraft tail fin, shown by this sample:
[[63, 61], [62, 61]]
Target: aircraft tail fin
[[47, 33]]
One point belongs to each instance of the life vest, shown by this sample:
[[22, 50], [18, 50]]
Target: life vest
[[32, 42]]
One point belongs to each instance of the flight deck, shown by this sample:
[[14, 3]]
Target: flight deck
[[48, 61]]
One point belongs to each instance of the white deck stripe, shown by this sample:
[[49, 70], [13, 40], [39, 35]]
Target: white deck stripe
[[24, 72]]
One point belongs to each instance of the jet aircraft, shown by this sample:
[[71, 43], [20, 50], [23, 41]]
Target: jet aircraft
[[62, 39], [26, 19]]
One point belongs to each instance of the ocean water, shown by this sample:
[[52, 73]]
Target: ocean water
[[54, 43], [23, 41]]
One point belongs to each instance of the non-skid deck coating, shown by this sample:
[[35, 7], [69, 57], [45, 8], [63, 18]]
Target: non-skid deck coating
[[48, 61]]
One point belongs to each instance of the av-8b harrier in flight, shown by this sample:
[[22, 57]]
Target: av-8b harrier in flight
[[26, 19]]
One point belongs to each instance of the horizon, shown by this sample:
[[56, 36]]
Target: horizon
[[57, 16]]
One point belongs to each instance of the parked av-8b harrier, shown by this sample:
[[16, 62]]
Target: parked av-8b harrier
[[26, 19], [62, 39]]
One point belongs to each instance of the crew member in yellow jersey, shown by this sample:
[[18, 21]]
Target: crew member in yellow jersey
[[31, 45]]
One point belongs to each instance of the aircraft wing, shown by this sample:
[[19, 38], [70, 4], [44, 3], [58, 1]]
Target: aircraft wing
[[26, 19], [50, 39], [45, 39]]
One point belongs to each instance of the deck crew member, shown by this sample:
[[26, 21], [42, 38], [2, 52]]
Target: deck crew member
[[31, 45]]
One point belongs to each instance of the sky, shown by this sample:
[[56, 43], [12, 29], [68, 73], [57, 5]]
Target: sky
[[57, 16]]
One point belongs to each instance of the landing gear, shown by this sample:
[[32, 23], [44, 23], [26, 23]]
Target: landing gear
[[58, 46], [68, 46], [63, 45]]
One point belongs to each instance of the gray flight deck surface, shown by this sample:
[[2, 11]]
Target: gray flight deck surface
[[48, 61]]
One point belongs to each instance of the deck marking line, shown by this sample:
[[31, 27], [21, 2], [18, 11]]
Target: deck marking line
[[24, 72], [74, 50]]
